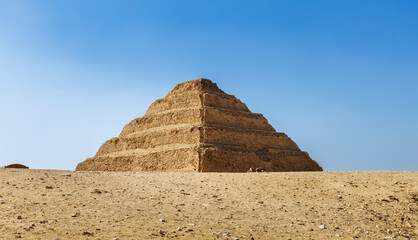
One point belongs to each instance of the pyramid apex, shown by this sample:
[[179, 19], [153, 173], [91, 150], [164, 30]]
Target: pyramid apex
[[200, 84], [201, 80]]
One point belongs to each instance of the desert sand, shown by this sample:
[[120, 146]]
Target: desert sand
[[51, 204]]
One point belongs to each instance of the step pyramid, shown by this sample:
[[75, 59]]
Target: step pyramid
[[199, 128]]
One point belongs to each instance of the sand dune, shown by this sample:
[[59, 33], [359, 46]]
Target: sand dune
[[47, 204]]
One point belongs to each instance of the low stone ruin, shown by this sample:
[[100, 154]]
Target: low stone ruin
[[16, 165]]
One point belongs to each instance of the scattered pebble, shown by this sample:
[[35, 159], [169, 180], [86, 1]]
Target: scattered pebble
[[87, 233], [97, 191], [219, 234]]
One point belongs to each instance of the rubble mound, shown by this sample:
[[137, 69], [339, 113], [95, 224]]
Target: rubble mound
[[16, 165], [199, 128]]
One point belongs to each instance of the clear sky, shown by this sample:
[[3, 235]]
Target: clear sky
[[338, 77]]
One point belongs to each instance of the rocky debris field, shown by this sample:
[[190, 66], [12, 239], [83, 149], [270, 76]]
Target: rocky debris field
[[50, 204]]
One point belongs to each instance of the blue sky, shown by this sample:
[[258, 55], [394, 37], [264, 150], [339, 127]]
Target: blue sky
[[339, 77]]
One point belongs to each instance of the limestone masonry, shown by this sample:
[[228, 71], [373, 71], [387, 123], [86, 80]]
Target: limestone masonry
[[199, 128]]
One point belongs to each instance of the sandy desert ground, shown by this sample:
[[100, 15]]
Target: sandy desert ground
[[48, 204]]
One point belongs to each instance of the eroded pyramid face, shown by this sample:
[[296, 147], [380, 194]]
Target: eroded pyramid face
[[199, 128]]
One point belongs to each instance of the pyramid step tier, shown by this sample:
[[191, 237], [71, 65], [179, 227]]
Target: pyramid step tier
[[181, 159], [251, 139], [197, 99], [241, 160], [198, 116], [205, 158]]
